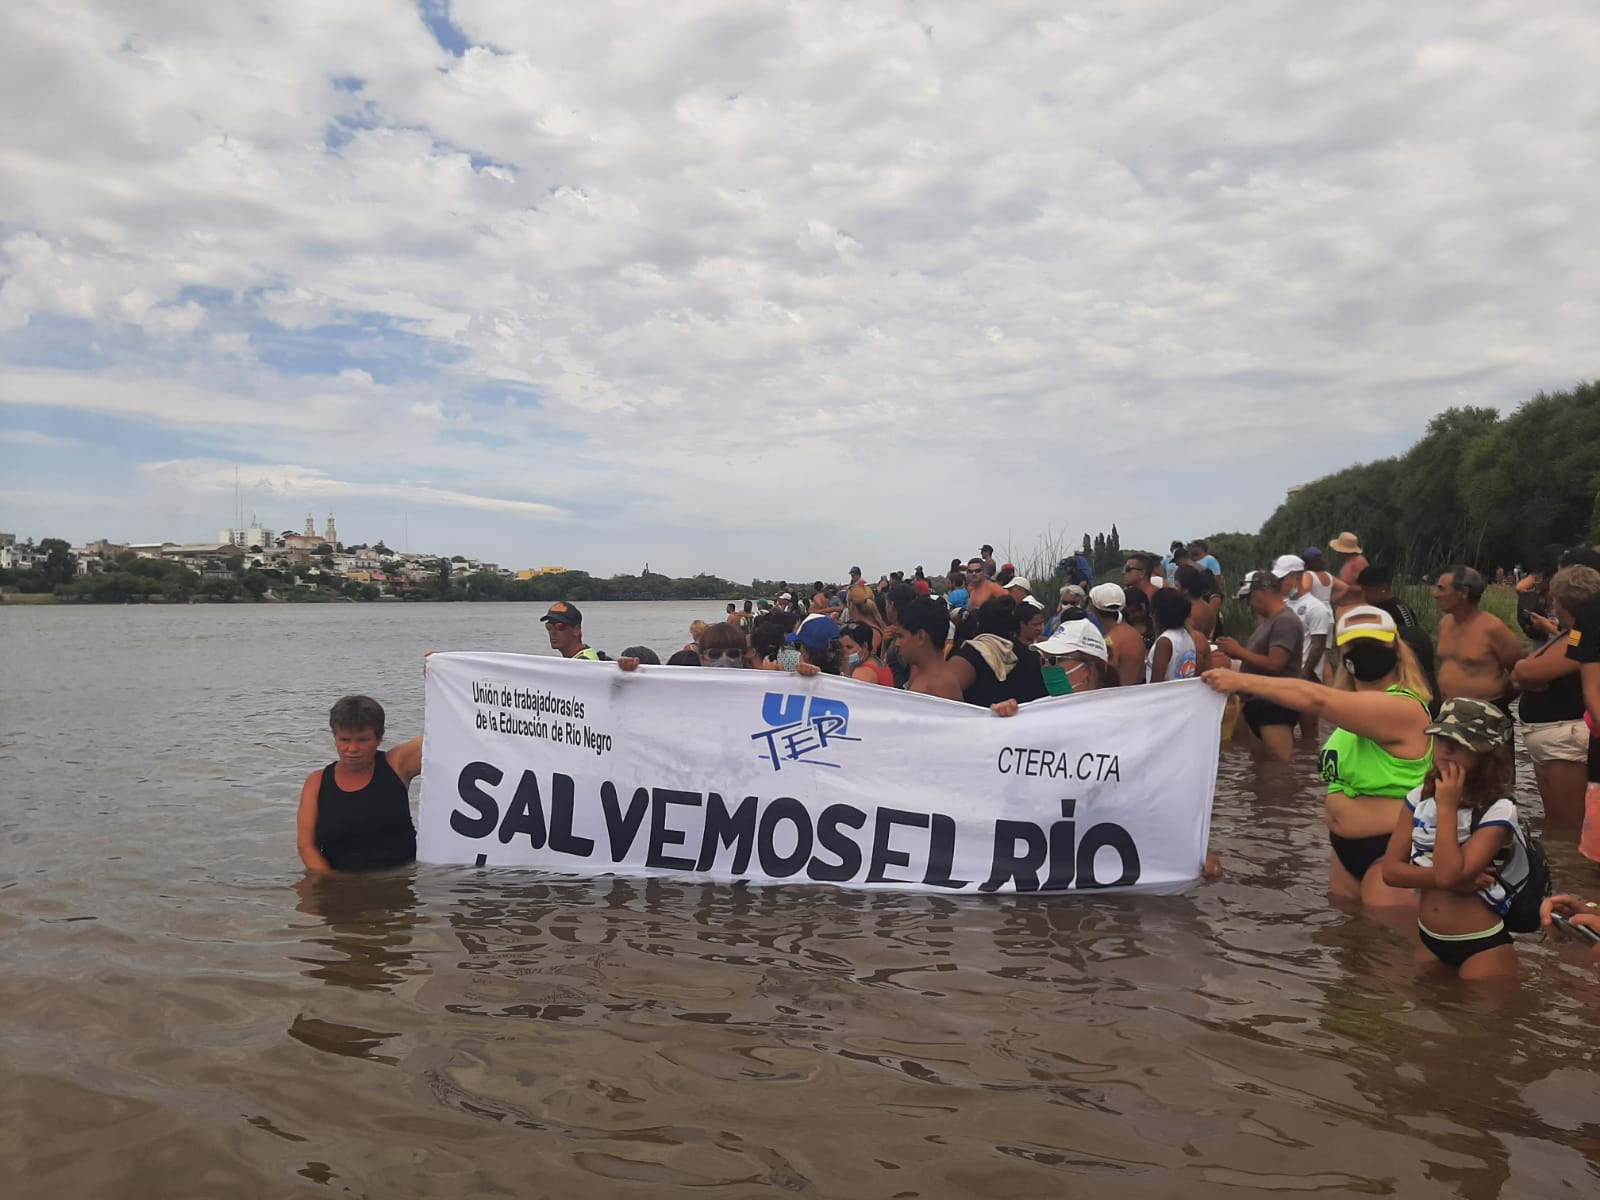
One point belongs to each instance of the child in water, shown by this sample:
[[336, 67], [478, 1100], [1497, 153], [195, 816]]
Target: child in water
[[1455, 842]]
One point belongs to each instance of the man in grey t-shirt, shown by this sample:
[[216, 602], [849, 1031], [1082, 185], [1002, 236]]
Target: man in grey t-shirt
[[1275, 649]]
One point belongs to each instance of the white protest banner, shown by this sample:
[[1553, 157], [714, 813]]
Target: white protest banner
[[584, 768]]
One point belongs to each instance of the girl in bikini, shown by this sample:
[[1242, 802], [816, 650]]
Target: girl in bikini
[[1455, 839]]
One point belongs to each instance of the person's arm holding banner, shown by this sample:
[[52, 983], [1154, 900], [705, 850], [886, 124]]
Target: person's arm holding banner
[[1387, 719]]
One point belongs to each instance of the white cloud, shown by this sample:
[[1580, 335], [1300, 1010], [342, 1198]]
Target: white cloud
[[746, 256], [31, 437], [296, 485]]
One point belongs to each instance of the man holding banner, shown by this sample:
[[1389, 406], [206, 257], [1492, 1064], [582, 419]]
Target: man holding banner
[[564, 624]]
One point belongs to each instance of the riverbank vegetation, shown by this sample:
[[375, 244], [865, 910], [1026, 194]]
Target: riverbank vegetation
[[132, 579]]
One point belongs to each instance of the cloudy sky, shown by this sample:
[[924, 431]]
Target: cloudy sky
[[765, 288]]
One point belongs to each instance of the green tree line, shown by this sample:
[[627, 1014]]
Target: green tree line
[[1478, 488]]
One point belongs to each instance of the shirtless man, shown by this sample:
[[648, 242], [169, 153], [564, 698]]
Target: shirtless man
[[1124, 642], [920, 635], [1348, 547], [980, 588], [1139, 572], [1476, 649]]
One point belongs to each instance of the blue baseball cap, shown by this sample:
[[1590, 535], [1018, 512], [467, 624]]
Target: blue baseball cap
[[815, 632]]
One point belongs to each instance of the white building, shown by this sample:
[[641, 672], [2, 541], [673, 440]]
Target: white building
[[253, 534]]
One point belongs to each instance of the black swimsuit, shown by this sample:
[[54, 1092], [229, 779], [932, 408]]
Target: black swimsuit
[[369, 829]]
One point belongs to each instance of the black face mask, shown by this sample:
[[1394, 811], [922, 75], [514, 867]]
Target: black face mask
[[1370, 661]]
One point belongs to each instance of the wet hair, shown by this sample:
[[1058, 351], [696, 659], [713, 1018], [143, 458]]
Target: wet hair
[[684, 658], [1000, 616], [1572, 586], [352, 714], [1171, 608], [1375, 575], [723, 636], [926, 614], [643, 653], [1468, 581], [1134, 600]]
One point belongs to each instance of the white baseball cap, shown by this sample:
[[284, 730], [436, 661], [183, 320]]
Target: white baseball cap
[[1019, 581], [1075, 637], [1107, 597], [1365, 621], [1286, 565]]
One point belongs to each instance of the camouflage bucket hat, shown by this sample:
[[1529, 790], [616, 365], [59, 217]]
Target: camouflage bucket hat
[[1475, 724]]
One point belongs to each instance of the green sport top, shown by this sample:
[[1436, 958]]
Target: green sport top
[[1358, 766]]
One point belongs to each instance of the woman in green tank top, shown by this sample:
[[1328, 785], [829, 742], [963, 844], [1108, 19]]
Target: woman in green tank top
[[1376, 755]]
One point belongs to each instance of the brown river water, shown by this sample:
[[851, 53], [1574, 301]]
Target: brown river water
[[183, 1015]]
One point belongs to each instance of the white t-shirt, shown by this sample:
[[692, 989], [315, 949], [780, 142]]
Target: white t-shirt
[[1317, 617], [1182, 665], [1512, 861]]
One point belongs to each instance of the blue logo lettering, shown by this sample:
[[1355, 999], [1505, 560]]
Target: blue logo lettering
[[797, 740]]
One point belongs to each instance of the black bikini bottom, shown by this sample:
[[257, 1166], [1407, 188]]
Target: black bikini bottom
[[1357, 855]]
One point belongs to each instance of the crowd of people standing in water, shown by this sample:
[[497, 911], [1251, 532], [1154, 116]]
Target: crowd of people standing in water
[[1420, 733]]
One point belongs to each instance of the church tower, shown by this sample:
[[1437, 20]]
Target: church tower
[[333, 534], [311, 526]]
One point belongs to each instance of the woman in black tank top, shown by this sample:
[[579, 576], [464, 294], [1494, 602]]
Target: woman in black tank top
[[354, 813]]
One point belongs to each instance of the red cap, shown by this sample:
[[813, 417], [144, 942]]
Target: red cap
[[922, 587]]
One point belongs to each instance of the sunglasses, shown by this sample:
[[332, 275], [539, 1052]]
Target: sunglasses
[[1062, 660], [721, 652], [1132, 567]]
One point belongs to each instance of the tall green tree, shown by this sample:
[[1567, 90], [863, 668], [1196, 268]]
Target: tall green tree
[[1476, 488], [60, 564]]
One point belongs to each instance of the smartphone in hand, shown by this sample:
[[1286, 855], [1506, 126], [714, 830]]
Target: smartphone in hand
[[1564, 923]]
